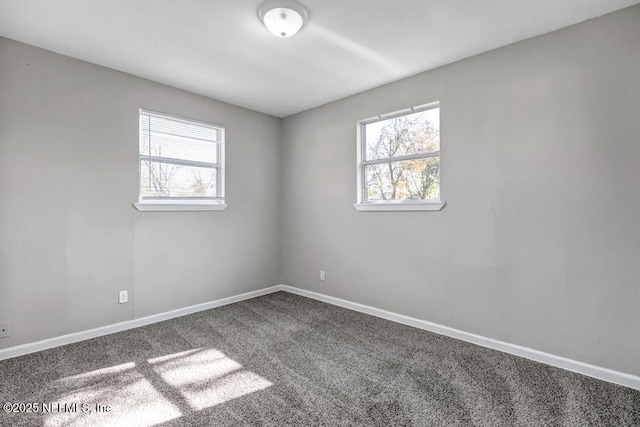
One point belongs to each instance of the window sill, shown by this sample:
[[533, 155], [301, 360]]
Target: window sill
[[179, 207], [406, 206]]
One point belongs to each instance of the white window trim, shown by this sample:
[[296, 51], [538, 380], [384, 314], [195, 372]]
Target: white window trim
[[174, 206], [399, 206], [185, 205], [408, 205]]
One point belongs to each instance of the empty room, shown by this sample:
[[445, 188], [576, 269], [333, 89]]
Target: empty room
[[319, 213]]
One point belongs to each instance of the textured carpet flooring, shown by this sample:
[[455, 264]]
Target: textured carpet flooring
[[282, 359]]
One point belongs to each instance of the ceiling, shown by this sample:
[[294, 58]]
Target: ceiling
[[219, 48]]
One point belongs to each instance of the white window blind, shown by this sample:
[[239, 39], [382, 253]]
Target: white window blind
[[180, 160]]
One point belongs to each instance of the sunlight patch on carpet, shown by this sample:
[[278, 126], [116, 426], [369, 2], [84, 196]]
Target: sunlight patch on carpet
[[153, 391], [207, 378], [132, 398]]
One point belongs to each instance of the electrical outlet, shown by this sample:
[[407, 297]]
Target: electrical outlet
[[5, 329], [123, 296], [322, 276]]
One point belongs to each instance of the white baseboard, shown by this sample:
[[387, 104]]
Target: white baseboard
[[20, 350], [604, 374]]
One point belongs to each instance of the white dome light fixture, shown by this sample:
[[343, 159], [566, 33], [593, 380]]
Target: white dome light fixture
[[283, 18]]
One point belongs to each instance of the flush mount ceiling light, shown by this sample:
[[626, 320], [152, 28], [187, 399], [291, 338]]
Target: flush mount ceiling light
[[283, 18]]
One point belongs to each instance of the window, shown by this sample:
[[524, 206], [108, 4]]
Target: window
[[181, 164], [399, 161]]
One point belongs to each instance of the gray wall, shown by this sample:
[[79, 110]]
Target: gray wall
[[69, 237], [539, 244]]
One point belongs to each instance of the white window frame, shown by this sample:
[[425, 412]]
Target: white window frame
[[178, 204], [362, 204]]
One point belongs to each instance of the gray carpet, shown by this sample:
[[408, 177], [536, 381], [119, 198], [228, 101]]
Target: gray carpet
[[282, 359]]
